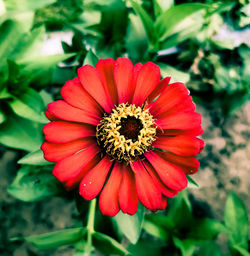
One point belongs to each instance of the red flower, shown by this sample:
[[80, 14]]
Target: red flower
[[109, 136]]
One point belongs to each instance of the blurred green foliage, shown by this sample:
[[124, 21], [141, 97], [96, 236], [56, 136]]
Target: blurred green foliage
[[204, 44]]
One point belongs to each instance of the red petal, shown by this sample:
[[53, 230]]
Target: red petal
[[148, 193], [136, 71], [108, 201], [193, 132], [64, 111], [147, 80], [160, 87], [54, 152], [186, 105], [189, 165], [164, 190], [171, 96], [74, 94], [61, 132], [171, 175], [106, 70], [180, 145], [94, 180], [123, 74], [182, 121], [128, 199], [163, 203], [93, 83], [202, 144], [71, 170], [50, 116]]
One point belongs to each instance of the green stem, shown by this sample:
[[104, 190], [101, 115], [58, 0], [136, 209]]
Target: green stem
[[90, 224]]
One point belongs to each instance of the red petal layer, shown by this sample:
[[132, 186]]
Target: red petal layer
[[182, 121], [136, 71], [148, 193], [108, 201], [170, 132], [160, 87], [74, 94], [186, 105], [62, 132], [64, 111], [71, 170], [93, 83], [202, 144], [123, 74], [106, 70], [163, 203], [171, 96], [50, 116], [164, 190], [54, 152], [94, 180], [128, 199], [147, 80], [180, 145], [189, 165], [171, 175]]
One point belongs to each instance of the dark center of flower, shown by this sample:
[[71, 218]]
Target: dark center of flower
[[130, 128], [126, 133]]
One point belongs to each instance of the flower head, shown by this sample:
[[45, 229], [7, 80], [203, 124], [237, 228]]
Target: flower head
[[110, 137]]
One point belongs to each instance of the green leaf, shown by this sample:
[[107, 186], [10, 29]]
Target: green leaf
[[176, 75], [46, 97], [2, 117], [62, 74], [20, 133], [155, 230], [130, 225], [186, 29], [161, 5], [187, 246], [191, 183], [162, 221], [236, 221], [241, 250], [26, 5], [2, 8], [90, 59], [29, 45], [54, 239], [29, 105], [136, 39], [209, 248], [108, 245], [180, 207], [146, 247], [4, 94], [11, 32], [41, 69], [34, 183], [147, 22], [34, 158], [167, 22], [206, 229], [224, 44]]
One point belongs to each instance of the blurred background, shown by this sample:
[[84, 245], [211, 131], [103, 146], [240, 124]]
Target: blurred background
[[204, 44]]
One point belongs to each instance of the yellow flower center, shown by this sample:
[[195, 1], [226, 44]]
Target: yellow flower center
[[126, 133]]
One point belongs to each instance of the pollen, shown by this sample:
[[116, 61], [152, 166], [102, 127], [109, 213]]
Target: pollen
[[126, 133]]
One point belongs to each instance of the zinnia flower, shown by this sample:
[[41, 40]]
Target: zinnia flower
[[110, 137]]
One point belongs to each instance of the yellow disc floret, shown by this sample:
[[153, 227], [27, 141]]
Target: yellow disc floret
[[126, 133]]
